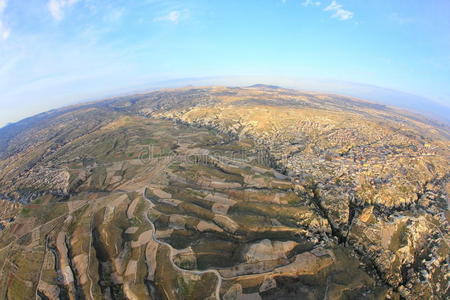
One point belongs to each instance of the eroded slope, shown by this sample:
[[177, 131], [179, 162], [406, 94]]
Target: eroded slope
[[225, 192]]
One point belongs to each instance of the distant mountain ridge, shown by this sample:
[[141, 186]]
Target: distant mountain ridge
[[418, 104]]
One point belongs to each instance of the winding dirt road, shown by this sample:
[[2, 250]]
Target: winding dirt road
[[195, 272]]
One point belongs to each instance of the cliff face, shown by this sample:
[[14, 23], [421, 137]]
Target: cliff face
[[304, 194]]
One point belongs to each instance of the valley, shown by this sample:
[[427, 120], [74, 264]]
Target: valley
[[225, 193]]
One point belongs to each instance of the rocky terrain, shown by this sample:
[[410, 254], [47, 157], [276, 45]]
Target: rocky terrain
[[225, 193]]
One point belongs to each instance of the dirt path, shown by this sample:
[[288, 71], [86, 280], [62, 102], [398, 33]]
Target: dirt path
[[89, 256], [40, 270], [172, 250]]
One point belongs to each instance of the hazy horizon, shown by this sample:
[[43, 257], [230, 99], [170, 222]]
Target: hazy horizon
[[59, 52], [434, 110]]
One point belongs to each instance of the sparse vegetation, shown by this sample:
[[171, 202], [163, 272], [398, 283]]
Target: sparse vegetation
[[337, 193]]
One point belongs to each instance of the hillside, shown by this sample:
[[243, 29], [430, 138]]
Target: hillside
[[232, 193]]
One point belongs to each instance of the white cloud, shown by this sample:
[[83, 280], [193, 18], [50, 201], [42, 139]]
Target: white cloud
[[2, 6], [399, 19], [311, 3], [115, 15], [339, 12], [4, 30], [57, 7], [173, 16]]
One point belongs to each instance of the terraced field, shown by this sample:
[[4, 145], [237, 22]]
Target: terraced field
[[140, 198], [194, 216]]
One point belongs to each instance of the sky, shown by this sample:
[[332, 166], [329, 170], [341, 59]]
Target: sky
[[59, 52]]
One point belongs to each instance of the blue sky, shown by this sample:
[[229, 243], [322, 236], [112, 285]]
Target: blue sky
[[58, 52]]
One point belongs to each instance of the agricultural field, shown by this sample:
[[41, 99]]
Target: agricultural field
[[224, 193]]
